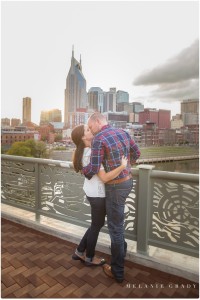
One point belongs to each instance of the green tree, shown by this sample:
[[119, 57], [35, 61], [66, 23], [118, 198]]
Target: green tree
[[29, 148], [19, 149], [32, 145], [41, 150]]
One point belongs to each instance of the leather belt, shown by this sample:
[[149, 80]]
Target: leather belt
[[120, 180]]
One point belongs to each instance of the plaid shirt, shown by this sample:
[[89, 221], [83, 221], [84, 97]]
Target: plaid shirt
[[108, 147]]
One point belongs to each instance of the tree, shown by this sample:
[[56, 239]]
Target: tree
[[20, 149], [29, 148], [32, 145], [41, 150]]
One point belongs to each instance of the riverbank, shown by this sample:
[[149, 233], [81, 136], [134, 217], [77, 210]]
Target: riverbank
[[167, 153], [148, 154]]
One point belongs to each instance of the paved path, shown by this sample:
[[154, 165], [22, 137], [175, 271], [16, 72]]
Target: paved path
[[36, 265]]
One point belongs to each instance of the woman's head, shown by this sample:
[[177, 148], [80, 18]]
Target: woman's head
[[81, 137], [77, 135], [81, 134]]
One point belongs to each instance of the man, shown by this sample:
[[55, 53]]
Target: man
[[108, 146]]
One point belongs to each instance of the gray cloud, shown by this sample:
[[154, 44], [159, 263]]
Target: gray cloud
[[188, 89], [177, 79], [184, 66]]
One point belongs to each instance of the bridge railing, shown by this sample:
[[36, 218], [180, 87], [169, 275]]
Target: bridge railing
[[162, 209]]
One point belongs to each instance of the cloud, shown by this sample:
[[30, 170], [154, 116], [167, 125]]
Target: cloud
[[188, 89], [177, 78]]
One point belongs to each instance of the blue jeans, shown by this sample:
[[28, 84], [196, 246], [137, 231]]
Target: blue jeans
[[89, 240], [116, 195]]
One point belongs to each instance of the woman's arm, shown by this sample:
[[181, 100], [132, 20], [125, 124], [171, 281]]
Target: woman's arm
[[105, 177]]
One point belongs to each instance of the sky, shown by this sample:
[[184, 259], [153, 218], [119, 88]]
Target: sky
[[149, 49]]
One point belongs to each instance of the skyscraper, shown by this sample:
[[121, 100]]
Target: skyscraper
[[190, 112], [110, 100], [75, 92], [26, 110], [95, 99], [53, 115]]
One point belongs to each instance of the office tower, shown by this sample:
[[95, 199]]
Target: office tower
[[133, 110], [190, 112], [75, 92], [53, 115], [109, 102], [95, 99], [137, 107], [122, 98], [190, 106], [26, 110]]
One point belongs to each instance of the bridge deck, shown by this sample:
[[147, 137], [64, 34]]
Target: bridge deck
[[37, 265]]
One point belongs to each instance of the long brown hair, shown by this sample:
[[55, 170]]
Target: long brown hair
[[77, 135]]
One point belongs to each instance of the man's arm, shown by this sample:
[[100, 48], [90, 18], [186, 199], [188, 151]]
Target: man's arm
[[134, 152], [97, 154]]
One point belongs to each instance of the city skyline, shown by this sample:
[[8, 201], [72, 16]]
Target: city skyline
[[139, 54]]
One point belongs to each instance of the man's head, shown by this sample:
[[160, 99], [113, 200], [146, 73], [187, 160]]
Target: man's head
[[96, 121]]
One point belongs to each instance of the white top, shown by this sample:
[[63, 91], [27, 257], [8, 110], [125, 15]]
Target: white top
[[95, 186]]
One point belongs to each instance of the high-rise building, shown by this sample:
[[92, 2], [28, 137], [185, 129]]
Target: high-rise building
[[75, 92], [122, 97], [109, 102], [137, 107], [95, 99], [53, 115], [190, 112], [190, 106], [133, 110], [26, 110]]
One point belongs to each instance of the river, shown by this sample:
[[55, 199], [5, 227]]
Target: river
[[181, 166]]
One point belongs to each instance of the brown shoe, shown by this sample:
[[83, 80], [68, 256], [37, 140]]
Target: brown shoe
[[108, 272]]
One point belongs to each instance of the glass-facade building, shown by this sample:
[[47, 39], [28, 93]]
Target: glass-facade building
[[75, 92], [95, 99]]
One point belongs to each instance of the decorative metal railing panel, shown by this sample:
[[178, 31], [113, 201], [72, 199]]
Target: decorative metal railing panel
[[53, 189], [131, 211], [18, 182], [62, 192], [175, 215]]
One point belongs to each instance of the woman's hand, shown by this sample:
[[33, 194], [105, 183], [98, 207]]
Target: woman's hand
[[124, 161]]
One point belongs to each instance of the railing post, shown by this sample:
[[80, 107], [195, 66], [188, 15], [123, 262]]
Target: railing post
[[143, 208], [37, 191]]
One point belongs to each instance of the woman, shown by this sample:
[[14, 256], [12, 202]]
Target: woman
[[95, 192]]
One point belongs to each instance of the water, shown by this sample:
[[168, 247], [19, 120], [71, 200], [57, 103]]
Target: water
[[181, 166]]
